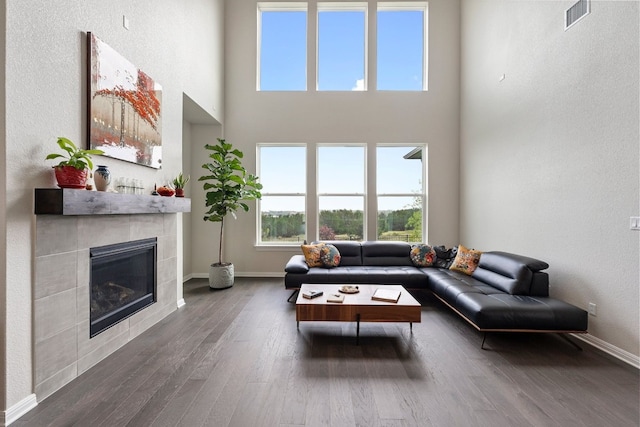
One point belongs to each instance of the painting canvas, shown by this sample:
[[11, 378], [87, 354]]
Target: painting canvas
[[124, 107]]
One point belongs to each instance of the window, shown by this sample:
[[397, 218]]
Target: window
[[341, 192], [282, 171], [282, 47], [401, 35], [341, 46], [400, 189], [338, 194]]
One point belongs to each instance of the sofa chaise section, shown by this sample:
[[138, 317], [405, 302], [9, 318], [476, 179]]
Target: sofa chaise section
[[506, 292]]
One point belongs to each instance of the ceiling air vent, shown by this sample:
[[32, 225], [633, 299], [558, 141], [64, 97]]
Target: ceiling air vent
[[576, 12]]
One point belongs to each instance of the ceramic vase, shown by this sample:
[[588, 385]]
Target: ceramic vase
[[221, 276], [102, 178]]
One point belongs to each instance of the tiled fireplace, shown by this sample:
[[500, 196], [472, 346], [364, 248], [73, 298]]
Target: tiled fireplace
[[63, 344]]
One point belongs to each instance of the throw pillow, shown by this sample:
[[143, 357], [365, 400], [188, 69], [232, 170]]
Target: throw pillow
[[444, 257], [422, 255], [466, 260], [330, 256], [312, 254]]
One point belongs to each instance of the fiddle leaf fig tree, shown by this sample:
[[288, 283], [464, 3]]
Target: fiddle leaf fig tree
[[228, 185]]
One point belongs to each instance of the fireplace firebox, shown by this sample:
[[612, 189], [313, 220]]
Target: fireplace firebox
[[123, 281]]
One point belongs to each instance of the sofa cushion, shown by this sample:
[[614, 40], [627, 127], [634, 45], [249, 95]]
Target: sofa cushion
[[312, 254], [520, 312], [409, 277], [350, 251], [384, 253], [508, 272], [330, 256], [296, 264], [466, 260], [448, 284], [422, 255]]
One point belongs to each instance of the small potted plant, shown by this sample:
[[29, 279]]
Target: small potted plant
[[178, 184], [72, 172], [228, 186]]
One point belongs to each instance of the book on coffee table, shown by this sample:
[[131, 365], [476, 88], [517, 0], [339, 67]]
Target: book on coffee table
[[310, 294], [388, 295], [331, 297]]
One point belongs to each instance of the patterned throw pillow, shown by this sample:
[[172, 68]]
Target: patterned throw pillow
[[312, 254], [330, 256], [444, 256], [466, 260], [422, 255]]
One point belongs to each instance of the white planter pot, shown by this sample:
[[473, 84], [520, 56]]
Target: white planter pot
[[220, 276]]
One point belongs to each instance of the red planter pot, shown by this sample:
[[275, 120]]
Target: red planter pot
[[70, 177]]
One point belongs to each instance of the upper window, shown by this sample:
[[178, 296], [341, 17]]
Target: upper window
[[282, 47], [283, 172], [402, 29], [341, 46]]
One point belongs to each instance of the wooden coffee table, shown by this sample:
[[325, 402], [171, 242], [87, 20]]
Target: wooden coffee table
[[357, 307]]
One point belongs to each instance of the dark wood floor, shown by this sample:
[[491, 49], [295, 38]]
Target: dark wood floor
[[235, 358]]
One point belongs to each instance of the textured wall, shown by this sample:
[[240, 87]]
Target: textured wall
[[362, 117], [45, 80], [3, 209], [550, 154]]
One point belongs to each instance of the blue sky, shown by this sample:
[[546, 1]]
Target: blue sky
[[341, 50]]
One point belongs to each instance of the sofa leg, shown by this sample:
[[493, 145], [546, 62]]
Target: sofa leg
[[484, 337], [566, 338], [294, 293]]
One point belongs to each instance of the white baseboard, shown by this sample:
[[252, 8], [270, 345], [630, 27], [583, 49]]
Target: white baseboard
[[240, 274], [19, 409], [258, 275], [187, 278], [610, 349], [181, 302]]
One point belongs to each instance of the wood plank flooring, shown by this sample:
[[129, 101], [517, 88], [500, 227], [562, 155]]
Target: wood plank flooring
[[235, 358]]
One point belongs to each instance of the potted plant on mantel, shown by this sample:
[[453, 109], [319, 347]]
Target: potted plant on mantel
[[72, 172], [227, 187], [178, 184]]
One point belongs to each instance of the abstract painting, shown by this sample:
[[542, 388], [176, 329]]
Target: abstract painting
[[124, 107]]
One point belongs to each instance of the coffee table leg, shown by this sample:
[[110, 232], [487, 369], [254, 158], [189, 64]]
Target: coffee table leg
[[411, 326], [358, 329], [298, 325]]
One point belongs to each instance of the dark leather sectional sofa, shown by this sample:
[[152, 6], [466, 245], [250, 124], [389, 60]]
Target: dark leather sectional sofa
[[507, 292]]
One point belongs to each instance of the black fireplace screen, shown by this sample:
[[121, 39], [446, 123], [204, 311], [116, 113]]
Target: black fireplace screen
[[123, 281]]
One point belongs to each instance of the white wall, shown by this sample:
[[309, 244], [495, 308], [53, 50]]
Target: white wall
[[363, 117], [179, 44], [204, 243], [550, 155], [3, 207]]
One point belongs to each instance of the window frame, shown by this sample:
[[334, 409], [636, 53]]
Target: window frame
[[412, 148], [279, 7], [323, 6], [423, 6], [305, 194], [364, 195]]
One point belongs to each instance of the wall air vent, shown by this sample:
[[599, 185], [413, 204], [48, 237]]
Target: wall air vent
[[576, 12]]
